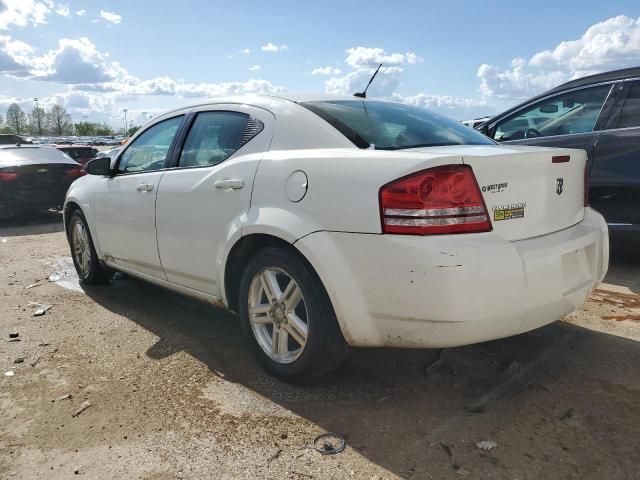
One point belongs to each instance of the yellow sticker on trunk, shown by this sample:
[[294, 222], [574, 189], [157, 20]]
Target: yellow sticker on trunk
[[508, 212]]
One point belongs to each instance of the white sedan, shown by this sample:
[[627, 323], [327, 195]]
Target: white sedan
[[328, 222]]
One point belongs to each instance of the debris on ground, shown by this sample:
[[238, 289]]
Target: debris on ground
[[486, 445], [513, 369], [329, 443], [33, 285], [447, 449], [54, 277], [66, 396], [567, 414], [14, 335], [35, 362], [461, 471], [9, 373], [86, 404], [19, 360], [41, 310]]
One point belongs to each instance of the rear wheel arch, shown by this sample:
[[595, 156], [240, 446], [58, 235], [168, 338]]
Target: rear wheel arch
[[240, 255], [69, 208]]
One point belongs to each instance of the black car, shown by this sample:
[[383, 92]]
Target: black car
[[599, 114], [34, 178]]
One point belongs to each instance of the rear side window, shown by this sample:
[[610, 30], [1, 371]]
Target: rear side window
[[215, 136], [393, 126], [630, 115]]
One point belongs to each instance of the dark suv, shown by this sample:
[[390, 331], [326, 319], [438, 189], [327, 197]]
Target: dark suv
[[599, 114]]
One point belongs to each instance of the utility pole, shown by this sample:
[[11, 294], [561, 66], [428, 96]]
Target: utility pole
[[125, 121], [38, 117]]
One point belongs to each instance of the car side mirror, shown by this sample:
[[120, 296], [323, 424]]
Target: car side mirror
[[99, 166]]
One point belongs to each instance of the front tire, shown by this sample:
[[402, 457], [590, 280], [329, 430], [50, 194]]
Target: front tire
[[288, 318], [83, 253]]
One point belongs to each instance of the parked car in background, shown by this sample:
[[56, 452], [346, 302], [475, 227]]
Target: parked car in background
[[334, 221], [34, 178], [10, 139], [80, 153], [599, 114]]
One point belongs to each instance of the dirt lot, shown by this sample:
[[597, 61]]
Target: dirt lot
[[175, 394]]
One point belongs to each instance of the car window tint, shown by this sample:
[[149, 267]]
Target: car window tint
[[213, 137], [630, 115], [393, 126], [149, 150], [564, 114]]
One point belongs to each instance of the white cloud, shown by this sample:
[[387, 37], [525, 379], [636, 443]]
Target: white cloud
[[62, 9], [81, 13], [326, 71], [270, 47], [359, 57], [24, 12], [110, 17], [607, 45], [245, 51], [255, 68]]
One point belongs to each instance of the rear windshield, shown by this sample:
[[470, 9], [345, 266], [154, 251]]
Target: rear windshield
[[393, 126], [76, 152]]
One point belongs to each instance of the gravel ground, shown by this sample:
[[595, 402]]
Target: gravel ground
[[174, 393]]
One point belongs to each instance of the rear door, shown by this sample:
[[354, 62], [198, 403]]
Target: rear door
[[615, 176], [204, 198], [570, 119]]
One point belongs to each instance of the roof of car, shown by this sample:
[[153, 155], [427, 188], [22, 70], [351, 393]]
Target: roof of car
[[598, 78], [66, 145], [265, 100]]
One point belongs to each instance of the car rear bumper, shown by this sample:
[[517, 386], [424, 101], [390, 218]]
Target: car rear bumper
[[442, 291]]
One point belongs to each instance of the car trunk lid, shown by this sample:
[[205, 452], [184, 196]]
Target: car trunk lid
[[528, 191]]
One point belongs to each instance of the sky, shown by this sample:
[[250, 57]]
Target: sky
[[464, 59]]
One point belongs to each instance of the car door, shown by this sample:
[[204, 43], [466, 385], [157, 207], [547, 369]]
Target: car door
[[569, 119], [615, 176], [203, 200], [124, 206]]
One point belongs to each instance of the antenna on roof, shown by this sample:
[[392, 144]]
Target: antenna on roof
[[363, 94]]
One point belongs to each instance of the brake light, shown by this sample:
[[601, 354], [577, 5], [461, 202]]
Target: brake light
[[75, 172], [8, 176], [439, 200]]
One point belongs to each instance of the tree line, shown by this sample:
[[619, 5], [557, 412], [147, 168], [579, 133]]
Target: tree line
[[54, 121]]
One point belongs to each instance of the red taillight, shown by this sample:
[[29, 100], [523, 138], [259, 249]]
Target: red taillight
[[439, 200], [8, 176], [75, 172], [586, 184]]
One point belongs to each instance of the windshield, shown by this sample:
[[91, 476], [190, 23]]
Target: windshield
[[393, 126]]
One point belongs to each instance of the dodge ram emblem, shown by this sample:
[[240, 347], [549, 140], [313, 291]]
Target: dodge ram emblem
[[559, 184]]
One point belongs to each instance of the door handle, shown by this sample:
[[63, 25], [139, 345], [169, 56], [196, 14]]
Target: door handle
[[144, 187], [229, 184]]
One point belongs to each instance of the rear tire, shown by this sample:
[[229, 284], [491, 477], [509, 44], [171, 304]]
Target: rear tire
[[291, 327], [88, 266]]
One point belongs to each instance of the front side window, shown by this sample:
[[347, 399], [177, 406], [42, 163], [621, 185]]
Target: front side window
[[149, 151], [630, 115], [213, 137], [393, 126], [564, 114]]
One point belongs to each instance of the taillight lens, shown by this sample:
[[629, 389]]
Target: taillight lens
[[439, 200], [8, 176], [75, 172], [586, 184]]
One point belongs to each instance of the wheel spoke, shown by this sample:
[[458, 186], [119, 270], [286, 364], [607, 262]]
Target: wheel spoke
[[85, 261], [270, 285], [279, 342], [260, 314], [292, 295], [297, 329]]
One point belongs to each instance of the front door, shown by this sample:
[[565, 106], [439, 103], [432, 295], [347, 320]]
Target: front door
[[615, 176], [203, 200], [124, 208]]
